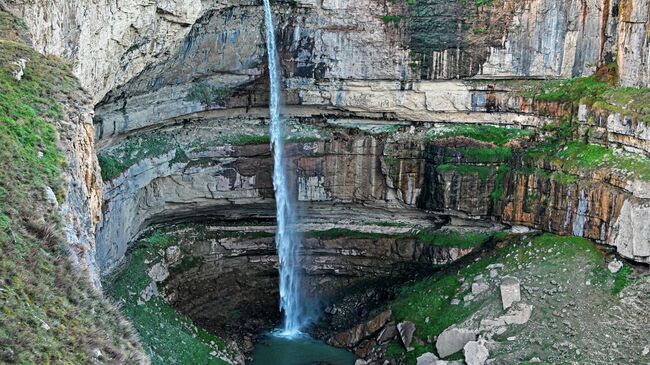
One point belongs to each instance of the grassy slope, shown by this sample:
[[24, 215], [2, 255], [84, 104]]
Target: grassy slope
[[48, 314], [161, 328], [426, 303]]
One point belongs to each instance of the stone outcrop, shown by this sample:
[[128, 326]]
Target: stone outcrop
[[453, 340], [81, 208], [476, 353], [109, 43], [510, 291]]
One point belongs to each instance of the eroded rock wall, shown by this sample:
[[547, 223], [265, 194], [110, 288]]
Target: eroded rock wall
[[633, 42], [81, 209], [109, 42], [243, 261]]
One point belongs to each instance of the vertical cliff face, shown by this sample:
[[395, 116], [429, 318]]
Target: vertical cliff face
[[633, 48], [112, 43], [156, 64], [108, 42], [81, 209]]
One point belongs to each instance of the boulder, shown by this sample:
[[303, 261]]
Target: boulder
[[427, 359], [453, 340], [147, 293], [353, 336], [476, 353], [159, 272], [615, 266], [479, 287], [510, 291], [173, 254], [518, 314], [18, 70], [406, 330]]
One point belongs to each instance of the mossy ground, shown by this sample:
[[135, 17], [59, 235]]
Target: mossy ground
[[49, 314], [484, 133], [462, 240], [168, 336], [570, 269]]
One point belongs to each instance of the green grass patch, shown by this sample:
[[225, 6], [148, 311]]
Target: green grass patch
[[499, 182], [628, 101], [335, 233], [208, 94], [581, 89], [249, 139], [453, 238], [623, 278], [487, 154], [49, 314], [431, 237], [131, 151], [579, 156], [395, 19], [485, 133]]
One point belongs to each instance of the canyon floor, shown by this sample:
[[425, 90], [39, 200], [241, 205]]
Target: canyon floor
[[573, 309]]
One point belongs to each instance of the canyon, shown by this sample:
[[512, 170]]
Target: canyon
[[419, 133]]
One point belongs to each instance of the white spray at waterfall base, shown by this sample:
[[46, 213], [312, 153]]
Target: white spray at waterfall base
[[292, 301]]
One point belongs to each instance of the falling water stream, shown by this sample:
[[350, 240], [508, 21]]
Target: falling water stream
[[287, 240], [288, 345]]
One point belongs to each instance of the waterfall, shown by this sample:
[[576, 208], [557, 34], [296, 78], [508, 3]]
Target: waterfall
[[286, 239]]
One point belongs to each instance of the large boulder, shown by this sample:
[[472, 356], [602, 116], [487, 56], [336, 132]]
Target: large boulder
[[476, 353], [510, 291], [479, 286], [355, 335], [427, 359], [518, 314], [615, 266], [159, 272], [453, 340], [406, 330]]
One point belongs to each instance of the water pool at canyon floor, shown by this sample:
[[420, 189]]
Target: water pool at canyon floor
[[298, 350]]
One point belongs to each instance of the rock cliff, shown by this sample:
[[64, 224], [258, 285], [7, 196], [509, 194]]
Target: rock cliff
[[416, 113]]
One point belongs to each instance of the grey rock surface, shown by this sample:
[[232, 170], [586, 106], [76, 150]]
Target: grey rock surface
[[453, 340], [510, 291]]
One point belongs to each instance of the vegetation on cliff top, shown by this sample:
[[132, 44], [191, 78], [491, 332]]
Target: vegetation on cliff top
[[599, 91], [48, 312]]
